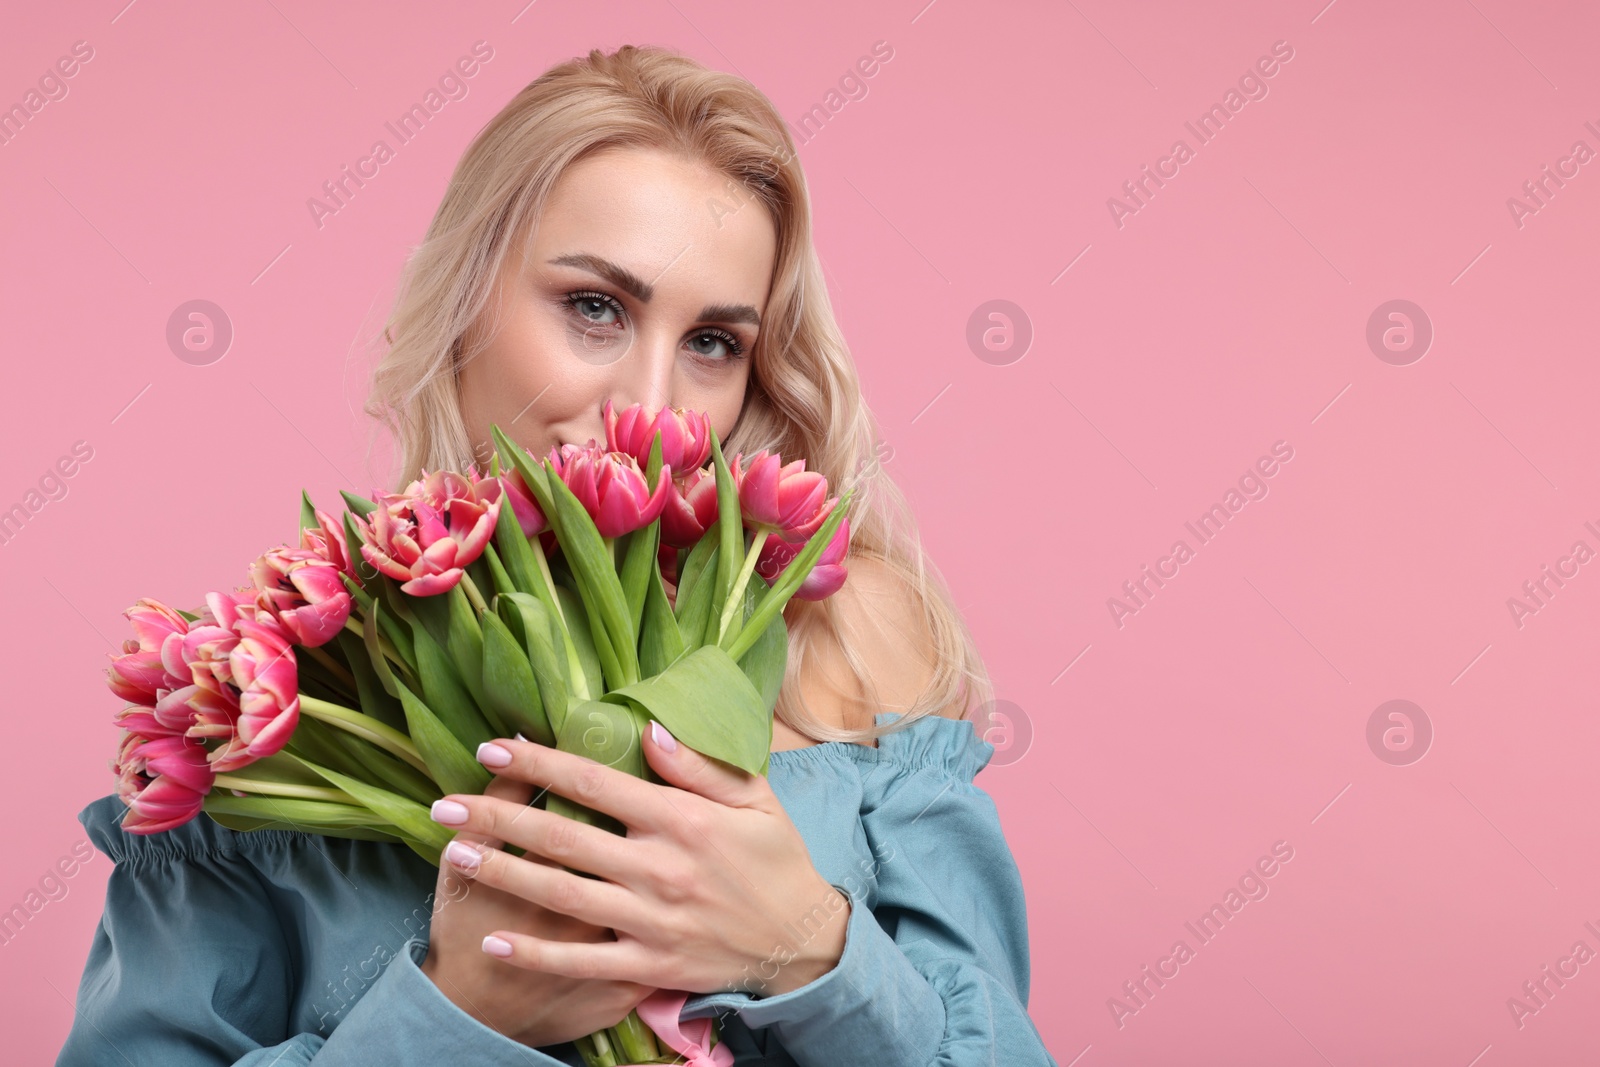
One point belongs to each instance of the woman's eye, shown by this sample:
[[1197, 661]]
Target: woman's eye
[[594, 306], [711, 339], [601, 309]]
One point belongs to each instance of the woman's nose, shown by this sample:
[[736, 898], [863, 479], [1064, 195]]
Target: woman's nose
[[644, 376]]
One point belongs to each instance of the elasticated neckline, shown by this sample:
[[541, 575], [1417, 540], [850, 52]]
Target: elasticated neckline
[[932, 742]]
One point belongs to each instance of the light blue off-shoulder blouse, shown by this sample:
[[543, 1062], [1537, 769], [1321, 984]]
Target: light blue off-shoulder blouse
[[273, 948]]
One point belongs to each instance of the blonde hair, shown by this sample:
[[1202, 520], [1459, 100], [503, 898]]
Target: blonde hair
[[804, 397]]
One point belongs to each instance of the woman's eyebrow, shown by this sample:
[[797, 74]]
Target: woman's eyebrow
[[730, 313], [642, 291], [615, 273]]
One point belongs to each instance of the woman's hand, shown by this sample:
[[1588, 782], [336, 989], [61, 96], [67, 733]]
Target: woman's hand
[[527, 1006], [711, 890]]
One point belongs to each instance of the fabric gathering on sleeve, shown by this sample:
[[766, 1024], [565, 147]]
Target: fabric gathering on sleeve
[[935, 972], [190, 966], [254, 949]]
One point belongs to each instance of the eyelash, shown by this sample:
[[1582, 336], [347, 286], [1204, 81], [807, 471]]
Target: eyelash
[[735, 347]]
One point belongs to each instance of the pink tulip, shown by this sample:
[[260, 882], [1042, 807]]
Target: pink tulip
[[152, 621], [326, 539], [139, 675], [201, 655], [611, 487], [784, 498], [163, 781], [691, 509], [265, 679], [685, 435], [231, 676], [302, 590], [825, 578], [514, 489], [425, 536], [140, 720], [175, 712], [243, 686]]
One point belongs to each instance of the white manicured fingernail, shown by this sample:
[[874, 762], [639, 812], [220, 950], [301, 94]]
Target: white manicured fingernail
[[462, 855]]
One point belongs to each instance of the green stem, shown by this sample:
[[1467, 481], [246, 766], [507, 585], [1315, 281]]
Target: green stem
[[246, 784], [586, 1049], [472, 593], [365, 727], [385, 645], [605, 1055], [334, 666], [636, 1040], [548, 578], [736, 598]]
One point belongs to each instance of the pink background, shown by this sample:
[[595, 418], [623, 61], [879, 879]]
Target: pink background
[[1229, 313]]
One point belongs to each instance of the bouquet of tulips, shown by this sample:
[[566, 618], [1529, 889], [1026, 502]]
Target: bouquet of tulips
[[349, 685]]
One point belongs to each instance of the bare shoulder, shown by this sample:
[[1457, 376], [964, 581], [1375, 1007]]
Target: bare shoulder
[[882, 620]]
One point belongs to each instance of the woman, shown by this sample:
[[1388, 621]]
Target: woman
[[631, 228]]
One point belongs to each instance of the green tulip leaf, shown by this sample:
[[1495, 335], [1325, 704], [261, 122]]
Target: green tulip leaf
[[607, 733], [243, 823], [730, 531], [582, 641], [382, 769], [358, 504], [768, 657], [513, 552], [532, 624], [410, 818], [510, 685], [694, 608], [707, 702], [451, 763], [465, 641], [639, 557], [446, 696], [308, 514], [377, 699], [598, 584], [698, 563], [638, 565], [370, 628], [660, 640]]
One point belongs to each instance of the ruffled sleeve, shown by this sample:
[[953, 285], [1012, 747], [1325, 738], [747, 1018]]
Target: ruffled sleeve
[[190, 967], [935, 966]]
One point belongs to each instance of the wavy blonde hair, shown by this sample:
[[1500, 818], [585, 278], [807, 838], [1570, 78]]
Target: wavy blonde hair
[[804, 396]]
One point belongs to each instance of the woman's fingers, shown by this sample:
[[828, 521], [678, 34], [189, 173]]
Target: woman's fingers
[[590, 900], [511, 791], [634, 801], [608, 961], [546, 836], [507, 790]]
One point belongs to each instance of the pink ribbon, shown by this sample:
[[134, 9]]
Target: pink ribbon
[[660, 1010]]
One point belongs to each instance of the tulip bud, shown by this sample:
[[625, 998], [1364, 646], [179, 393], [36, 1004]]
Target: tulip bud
[[685, 435], [612, 488], [162, 781], [691, 509], [426, 536], [825, 579], [785, 498], [303, 592]]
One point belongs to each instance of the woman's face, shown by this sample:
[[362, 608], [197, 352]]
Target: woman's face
[[641, 286]]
